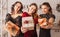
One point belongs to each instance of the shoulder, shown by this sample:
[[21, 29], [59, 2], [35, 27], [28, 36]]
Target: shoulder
[[24, 14], [41, 15], [53, 16], [8, 14]]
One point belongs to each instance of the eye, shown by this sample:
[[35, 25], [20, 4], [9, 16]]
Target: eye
[[31, 8], [18, 7]]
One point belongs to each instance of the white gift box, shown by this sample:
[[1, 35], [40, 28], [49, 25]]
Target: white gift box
[[28, 23]]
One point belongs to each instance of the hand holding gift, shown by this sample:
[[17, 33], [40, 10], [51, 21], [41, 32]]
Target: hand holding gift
[[24, 30]]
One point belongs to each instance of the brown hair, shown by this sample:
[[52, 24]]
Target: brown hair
[[48, 5], [12, 8], [35, 13]]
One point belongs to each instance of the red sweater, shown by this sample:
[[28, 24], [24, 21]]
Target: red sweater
[[25, 14], [30, 33]]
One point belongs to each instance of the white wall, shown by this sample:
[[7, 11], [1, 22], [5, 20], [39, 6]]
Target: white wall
[[39, 2]]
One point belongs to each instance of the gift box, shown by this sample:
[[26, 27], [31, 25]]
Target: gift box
[[12, 28], [28, 23], [42, 22]]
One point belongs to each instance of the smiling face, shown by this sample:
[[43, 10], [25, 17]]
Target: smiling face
[[45, 9], [17, 7], [32, 8]]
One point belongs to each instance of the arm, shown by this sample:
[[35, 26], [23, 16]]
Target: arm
[[50, 23]]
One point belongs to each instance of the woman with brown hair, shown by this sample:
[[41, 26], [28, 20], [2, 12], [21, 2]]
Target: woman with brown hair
[[16, 17], [32, 11], [46, 20]]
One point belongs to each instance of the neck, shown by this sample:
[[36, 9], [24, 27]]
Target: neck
[[15, 12], [46, 13]]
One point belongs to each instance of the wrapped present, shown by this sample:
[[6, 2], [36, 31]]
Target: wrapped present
[[42, 22], [28, 23], [12, 28]]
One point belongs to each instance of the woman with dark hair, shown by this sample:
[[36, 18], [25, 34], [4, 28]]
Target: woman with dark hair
[[16, 17], [32, 11], [46, 20]]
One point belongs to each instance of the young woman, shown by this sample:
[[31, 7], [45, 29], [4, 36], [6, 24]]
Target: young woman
[[46, 20], [16, 16], [32, 11]]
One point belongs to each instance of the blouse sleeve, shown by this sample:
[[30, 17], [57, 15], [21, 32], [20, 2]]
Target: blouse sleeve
[[41, 15], [53, 17], [25, 14], [8, 16]]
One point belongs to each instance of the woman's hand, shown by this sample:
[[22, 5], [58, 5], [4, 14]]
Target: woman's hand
[[50, 22], [24, 30]]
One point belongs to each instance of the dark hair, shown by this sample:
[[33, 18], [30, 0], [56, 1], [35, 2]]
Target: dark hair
[[35, 6], [12, 8], [35, 13], [48, 5]]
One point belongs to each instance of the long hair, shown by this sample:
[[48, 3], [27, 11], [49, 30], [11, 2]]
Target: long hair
[[48, 5], [35, 13], [12, 8]]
